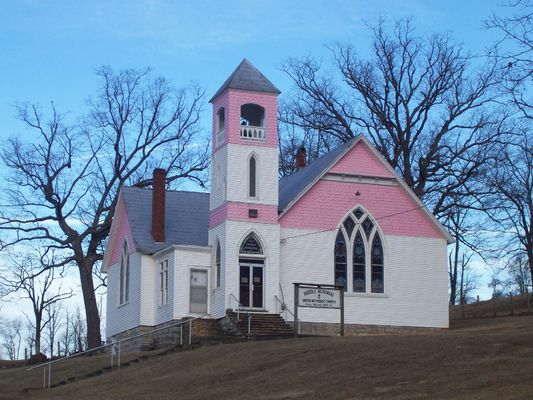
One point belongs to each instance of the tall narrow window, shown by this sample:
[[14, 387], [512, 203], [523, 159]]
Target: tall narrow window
[[341, 260], [217, 263], [124, 275], [252, 179], [377, 265], [359, 264], [163, 282]]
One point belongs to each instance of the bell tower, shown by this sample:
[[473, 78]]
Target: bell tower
[[244, 179]]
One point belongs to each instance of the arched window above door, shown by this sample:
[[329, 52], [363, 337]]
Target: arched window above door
[[251, 245]]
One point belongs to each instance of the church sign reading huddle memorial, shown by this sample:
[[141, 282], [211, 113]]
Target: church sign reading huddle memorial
[[345, 220]]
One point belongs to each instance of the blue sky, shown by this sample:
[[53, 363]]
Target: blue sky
[[51, 49]]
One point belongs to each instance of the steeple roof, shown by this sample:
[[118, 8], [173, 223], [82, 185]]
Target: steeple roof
[[247, 77]]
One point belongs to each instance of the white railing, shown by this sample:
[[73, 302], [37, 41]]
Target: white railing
[[240, 308], [283, 308], [115, 348], [253, 132], [220, 138]]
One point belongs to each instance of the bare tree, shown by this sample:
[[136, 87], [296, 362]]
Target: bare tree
[[63, 182], [65, 336], [79, 336], [520, 274], [417, 98], [11, 335], [510, 204], [54, 316], [42, 290], [515, 50]]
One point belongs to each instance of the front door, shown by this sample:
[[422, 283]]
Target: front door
[[251, 284], [198, 291]]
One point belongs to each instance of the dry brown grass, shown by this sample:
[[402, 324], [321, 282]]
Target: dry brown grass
[[489, 358]]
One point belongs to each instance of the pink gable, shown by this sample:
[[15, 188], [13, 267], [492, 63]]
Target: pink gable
[[360, 160], [325, 204], [121, 229]]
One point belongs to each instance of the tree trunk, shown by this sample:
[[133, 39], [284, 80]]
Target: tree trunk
[[92, 317]]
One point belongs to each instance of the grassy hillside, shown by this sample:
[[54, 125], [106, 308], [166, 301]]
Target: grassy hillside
[[489, 358]]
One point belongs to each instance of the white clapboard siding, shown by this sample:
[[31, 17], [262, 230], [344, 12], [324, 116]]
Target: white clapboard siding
[[415, 274]]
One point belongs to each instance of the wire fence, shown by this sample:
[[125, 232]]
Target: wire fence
[[511, 304]]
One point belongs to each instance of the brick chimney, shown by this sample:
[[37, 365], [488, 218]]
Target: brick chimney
[[301, 158], [158, 205]]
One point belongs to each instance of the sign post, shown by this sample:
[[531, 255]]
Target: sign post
[[318, 296]]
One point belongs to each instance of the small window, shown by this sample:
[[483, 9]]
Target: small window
[[124, 275], [163, 282], [217, 263], [252, 178], [341, 260]]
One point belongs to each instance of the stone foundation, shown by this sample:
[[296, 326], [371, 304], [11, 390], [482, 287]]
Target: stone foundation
[[329, 329], [164, 338]]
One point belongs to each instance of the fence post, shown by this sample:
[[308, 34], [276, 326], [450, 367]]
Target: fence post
[[49, 373], [512, 305], [528, 301], [477, 308], [462, 309], [44, 378], [181, 334], [118, 355], [494, 304], [190, 332]]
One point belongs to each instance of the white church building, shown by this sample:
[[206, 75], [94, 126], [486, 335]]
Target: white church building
[[346, 219]]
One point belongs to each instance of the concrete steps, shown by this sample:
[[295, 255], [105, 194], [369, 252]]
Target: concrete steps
[[262, 325]]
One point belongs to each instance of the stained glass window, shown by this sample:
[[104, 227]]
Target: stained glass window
[[377, 265], [358, 213], [359, 264], [367, 226], [341, 260], [349, 225]]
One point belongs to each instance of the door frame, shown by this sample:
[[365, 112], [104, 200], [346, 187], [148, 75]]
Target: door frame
[[206, 270], [243, 262]]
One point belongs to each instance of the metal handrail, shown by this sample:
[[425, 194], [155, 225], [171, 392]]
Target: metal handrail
[[284, 307], [114, 345], [239, 308]]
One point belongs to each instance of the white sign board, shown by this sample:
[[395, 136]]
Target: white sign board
[[319, 298]]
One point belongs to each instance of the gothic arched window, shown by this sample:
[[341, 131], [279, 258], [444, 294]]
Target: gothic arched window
[[341, 260], [124, 275], [217, 262], [253, 175], [359, 254], [251, 245]]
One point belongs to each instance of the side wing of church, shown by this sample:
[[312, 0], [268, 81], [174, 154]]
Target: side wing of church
[[346, 219]]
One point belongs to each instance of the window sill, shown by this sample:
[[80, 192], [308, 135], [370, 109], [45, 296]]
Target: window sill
[[162, 306], [123, 304], [376, 295]]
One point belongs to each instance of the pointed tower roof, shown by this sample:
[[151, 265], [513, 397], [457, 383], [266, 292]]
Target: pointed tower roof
[[247, 77]]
